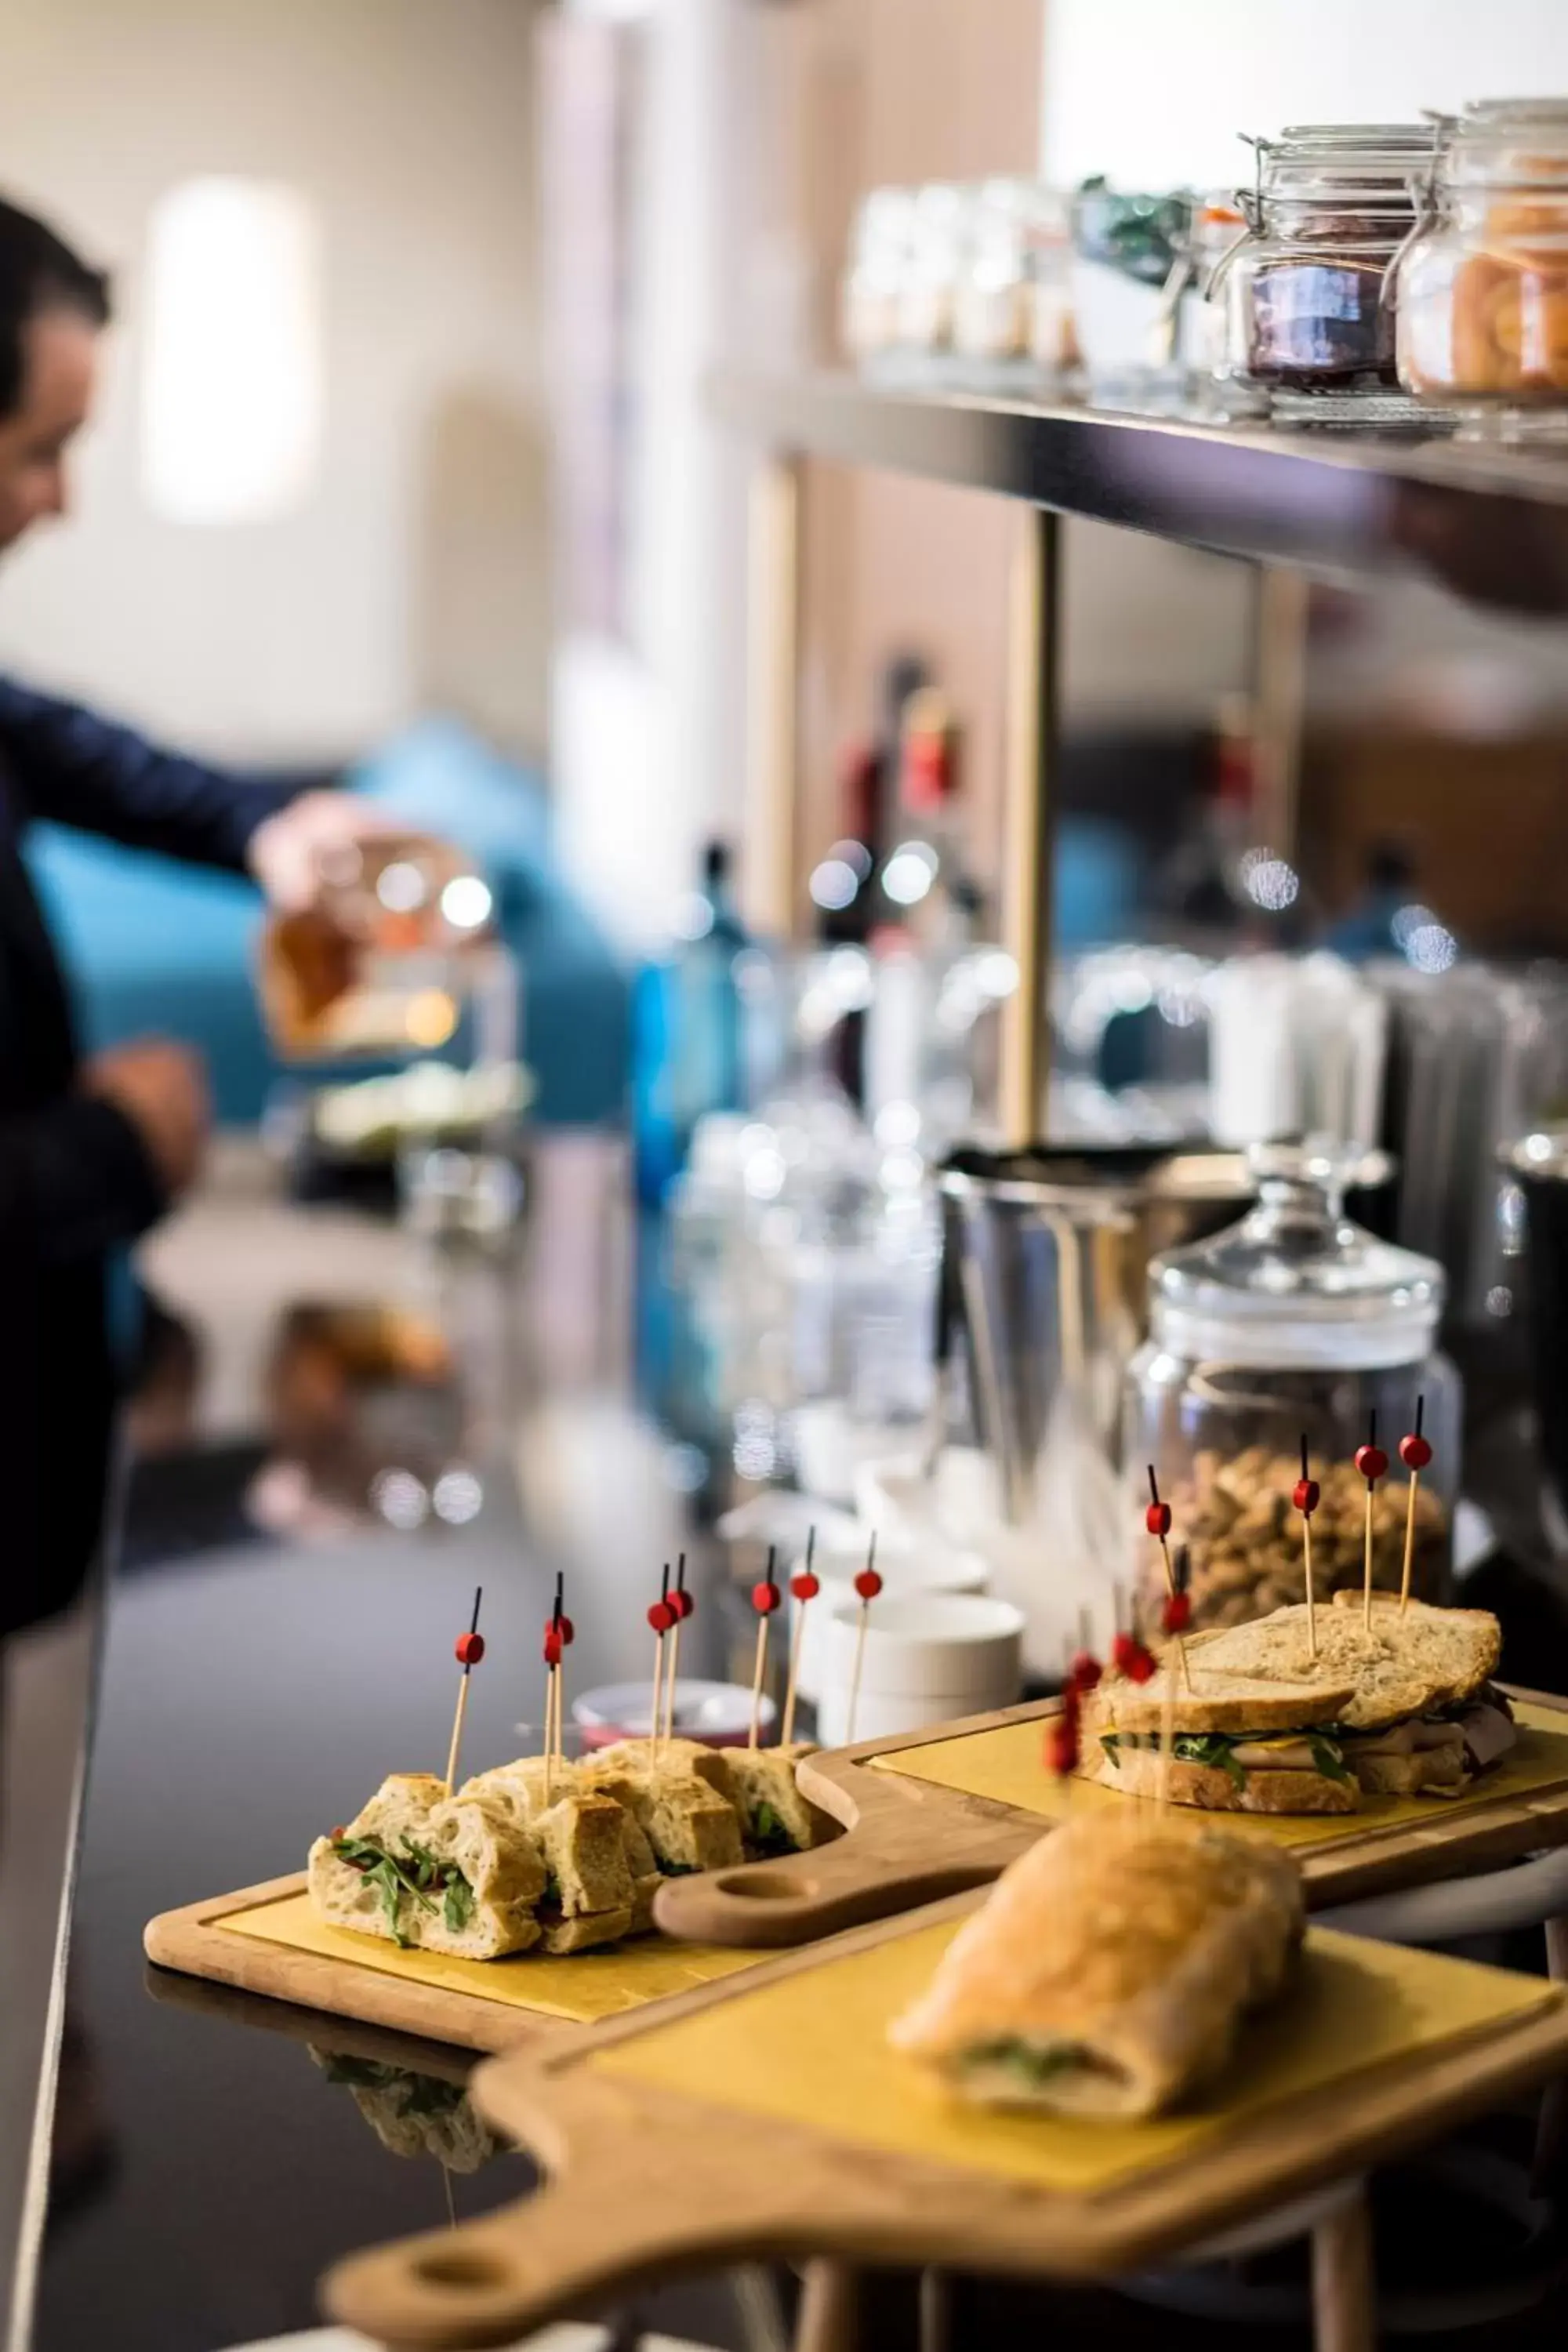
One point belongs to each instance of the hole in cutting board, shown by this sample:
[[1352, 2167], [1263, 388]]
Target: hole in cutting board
[[455, 2269], [766, 1885]]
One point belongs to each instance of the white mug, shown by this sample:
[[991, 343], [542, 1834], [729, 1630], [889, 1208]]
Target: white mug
[[929, 1657]]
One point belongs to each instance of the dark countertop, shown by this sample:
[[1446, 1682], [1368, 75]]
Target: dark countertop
[[206, 2169]]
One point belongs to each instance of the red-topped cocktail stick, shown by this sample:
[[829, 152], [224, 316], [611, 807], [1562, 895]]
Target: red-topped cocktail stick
[[765, 1599], [559, 1635], [1129, 1656], [1083, 1669], [469, 1648], [682, 1605], [1415, 1454], [867, 1584], [1176, 1611], [660, 1617], [1305, 1497], [804, 1586], [1157, 1519], [1372, 1464]]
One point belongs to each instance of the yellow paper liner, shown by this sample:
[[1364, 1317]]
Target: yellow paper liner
[[811, 2050], [1007, 1765], [580, 1986]]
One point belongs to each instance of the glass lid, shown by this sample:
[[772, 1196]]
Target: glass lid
[[1297, 1283]]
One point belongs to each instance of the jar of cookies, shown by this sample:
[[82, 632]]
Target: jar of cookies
[[1294, 1329], [1309, 325], [1482, 291]]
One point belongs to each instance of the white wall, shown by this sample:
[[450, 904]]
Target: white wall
[[1153, 92], [408, 127]]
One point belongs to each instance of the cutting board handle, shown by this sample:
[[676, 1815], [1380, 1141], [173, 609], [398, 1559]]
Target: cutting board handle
[[800, 1897], [491, 2281]]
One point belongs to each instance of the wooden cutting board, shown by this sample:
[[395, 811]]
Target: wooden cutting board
[[949, 1807], [266, 1940], [768, 2118]]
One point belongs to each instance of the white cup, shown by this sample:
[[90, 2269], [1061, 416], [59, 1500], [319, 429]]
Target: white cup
[[929, 1657], [905, 1565]]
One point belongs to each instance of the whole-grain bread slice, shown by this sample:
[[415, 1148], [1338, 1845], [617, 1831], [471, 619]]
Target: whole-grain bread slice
[[1419, 1661], [1205, 1701]]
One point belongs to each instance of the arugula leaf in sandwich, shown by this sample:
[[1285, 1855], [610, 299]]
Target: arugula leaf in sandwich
[[1239, 1744], [456, 1874]]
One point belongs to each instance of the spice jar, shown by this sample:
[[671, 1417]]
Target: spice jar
[[1308, 322], [1483, 289], [1294, 1323]]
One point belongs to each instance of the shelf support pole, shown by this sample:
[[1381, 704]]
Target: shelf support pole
[[1033, 631], [773, 659]]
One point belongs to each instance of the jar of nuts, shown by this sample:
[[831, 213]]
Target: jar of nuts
[[1291, 1328], [1482, 291]]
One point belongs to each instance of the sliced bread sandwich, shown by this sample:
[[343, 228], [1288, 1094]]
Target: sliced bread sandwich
[[1240, 1744]]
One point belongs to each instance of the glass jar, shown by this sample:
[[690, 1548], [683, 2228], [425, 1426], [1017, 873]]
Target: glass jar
[[1294, 1323], [873, 291], [1309, 321], [1483, 289]]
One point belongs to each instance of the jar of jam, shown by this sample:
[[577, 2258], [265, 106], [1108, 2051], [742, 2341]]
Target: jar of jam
[[1483, 288], [1308, 319]]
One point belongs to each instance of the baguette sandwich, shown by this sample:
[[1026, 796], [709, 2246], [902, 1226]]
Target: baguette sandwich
[[456, 1874], [589, 1845], [686, 1820], [1105, 1975]]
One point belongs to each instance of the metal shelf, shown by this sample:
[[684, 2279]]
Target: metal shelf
[[1491, 525]]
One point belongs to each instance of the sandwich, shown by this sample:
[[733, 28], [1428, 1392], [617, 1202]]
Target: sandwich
[[1424, 1716], [1240, 1743], [775, 1817], [687, 1822], [457, 1874], [590, 1895], [1105, 1975], [1261, 1724]]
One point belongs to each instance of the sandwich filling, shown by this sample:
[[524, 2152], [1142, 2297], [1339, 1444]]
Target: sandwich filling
[[416, 1875], [1316, 1750]]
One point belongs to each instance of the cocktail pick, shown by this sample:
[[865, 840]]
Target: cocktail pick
[[1415, 1454], [1083, 1669], [1176, 1611], [1305, 1496], [765, 1598], [803, 1587], [1372, 1463], [1129, 1654], [1157, 1519], [1060, 1749], [867, 1584], [684, 1606], [559, 1635], [660, 1617], [470, 1649]]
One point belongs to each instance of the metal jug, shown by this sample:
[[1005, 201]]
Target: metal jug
[[1045, 1255]]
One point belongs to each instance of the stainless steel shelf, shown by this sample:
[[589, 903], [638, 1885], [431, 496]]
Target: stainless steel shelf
[[1491, 525]]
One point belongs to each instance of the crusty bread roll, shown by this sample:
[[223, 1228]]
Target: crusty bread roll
[[1108, 1969]]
